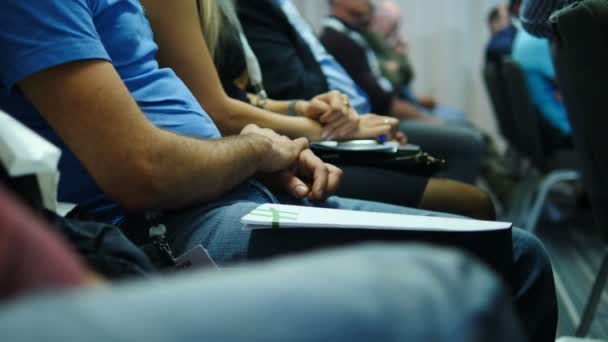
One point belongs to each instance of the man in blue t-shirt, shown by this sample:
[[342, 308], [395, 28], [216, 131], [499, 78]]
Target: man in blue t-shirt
[[83, 74], [534, 55]]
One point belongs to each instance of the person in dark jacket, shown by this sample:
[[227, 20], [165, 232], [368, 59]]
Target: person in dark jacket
[[295, 65], [503, 33]]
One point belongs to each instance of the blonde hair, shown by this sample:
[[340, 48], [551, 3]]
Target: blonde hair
[[211, 20]]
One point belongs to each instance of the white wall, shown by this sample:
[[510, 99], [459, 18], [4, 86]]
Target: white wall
[[447, 39]]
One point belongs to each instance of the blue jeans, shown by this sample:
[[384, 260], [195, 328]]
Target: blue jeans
[[217, 227], [338, 295]]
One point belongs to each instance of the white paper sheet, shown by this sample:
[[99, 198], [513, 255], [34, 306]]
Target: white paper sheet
[[23, 153], [283, 216]]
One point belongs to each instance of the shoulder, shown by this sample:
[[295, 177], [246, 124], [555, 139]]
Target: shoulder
[[57, 31], [531, 52]]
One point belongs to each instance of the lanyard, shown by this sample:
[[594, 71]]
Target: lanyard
[[253, 66]]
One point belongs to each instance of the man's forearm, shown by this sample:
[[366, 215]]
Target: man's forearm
[[134, 162], [190, 171]]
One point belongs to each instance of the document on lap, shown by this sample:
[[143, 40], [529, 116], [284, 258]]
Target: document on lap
[[282, 229], [284, 216]]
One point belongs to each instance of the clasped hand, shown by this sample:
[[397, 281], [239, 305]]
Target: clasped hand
[[291, 166], [342, 122]]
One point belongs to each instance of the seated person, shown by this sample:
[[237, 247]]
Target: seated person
[[326, 115], [384, 38], [58, 299], [84, 75], [503, 31], [342, 37], [225, 45], [30, 294], [534, 56], [534, 17], [285, 44]]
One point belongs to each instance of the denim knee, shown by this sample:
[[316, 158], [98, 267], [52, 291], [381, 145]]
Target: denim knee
[[533, 286], [530, 256]]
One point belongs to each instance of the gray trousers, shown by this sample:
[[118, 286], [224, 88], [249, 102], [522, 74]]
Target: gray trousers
[[366, 293], [461, 145]]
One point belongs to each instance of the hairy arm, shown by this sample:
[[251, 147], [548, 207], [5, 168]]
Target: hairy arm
[[182, 47], [134, 162]]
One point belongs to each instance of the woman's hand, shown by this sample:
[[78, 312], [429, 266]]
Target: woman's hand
[[333, 111], [373, 126]]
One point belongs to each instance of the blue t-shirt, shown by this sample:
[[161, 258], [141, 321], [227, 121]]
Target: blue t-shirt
[[39, 34], [534, 55]]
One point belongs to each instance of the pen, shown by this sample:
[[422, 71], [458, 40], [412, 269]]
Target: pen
[[382, 139]]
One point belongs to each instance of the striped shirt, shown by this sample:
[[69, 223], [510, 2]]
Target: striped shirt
[[535, 15]]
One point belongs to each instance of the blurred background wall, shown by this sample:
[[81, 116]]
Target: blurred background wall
[[447, 40]]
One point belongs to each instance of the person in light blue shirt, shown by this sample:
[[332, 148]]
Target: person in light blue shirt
[[534, 55], [336, 75]]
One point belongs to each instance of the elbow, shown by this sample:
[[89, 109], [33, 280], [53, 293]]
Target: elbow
[[228, 122], [138, 187]]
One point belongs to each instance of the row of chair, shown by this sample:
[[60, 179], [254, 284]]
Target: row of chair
[[580, 54], [519, 122], [580, 47]]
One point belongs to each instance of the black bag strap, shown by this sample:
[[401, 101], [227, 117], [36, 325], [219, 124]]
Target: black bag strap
[[137, 229], [418, 163], [104, 247]]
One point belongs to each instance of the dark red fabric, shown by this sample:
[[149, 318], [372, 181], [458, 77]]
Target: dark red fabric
[[32, 257]]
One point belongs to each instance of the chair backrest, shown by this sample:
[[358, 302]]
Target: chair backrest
[[527, 117], [26, 188], [581, 56], [494, 81]]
